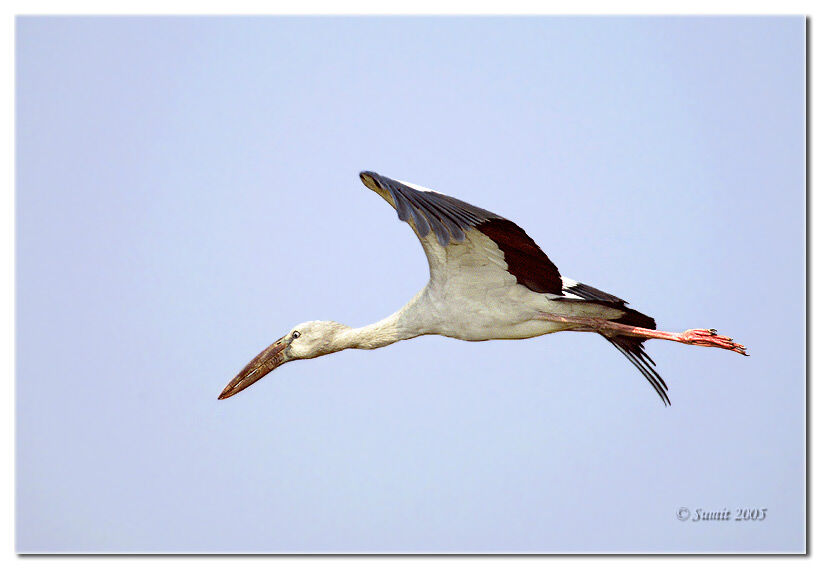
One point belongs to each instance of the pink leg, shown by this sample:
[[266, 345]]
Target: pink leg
[[695, 337]]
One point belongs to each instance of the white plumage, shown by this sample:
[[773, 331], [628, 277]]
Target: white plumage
[[488, 280]]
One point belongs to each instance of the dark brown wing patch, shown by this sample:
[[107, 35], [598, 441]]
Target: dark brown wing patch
[[525, 260]]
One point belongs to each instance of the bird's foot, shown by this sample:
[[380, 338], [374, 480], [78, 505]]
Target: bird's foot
[[710, 338]]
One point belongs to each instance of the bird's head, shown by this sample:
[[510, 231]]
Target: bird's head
[[304, 341]]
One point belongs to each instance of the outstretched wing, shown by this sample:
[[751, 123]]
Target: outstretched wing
[[456, 235], [468, 246]]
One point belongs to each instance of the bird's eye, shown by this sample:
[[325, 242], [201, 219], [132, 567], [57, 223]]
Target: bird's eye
[[295, 335]]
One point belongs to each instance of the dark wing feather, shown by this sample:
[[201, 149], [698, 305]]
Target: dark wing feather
[[450, 218], [633, 350], [591, 294], [525, 260], [588, 292]]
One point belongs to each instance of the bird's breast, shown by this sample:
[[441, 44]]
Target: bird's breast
[[483, 313]]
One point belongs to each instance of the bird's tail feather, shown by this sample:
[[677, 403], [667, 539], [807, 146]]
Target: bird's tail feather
[[633, 350]]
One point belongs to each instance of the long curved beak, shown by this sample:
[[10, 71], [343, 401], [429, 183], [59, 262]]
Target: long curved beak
[[266, 361]]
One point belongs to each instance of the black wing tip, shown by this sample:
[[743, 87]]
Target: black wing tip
[[449, 218], [372, 180], [633, 350]]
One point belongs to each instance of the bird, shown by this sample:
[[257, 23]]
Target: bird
[[488, 281]]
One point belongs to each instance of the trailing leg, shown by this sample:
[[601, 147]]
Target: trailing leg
[[694, 337]]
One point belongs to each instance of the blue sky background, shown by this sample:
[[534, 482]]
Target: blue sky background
[[187, 191]]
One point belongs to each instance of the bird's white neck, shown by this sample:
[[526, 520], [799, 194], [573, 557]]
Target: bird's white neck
[[376, 335]]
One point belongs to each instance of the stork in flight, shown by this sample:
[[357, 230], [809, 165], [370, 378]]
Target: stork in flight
[[488, 281]]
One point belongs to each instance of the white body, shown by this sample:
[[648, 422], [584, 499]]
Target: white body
[[471, 296]]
